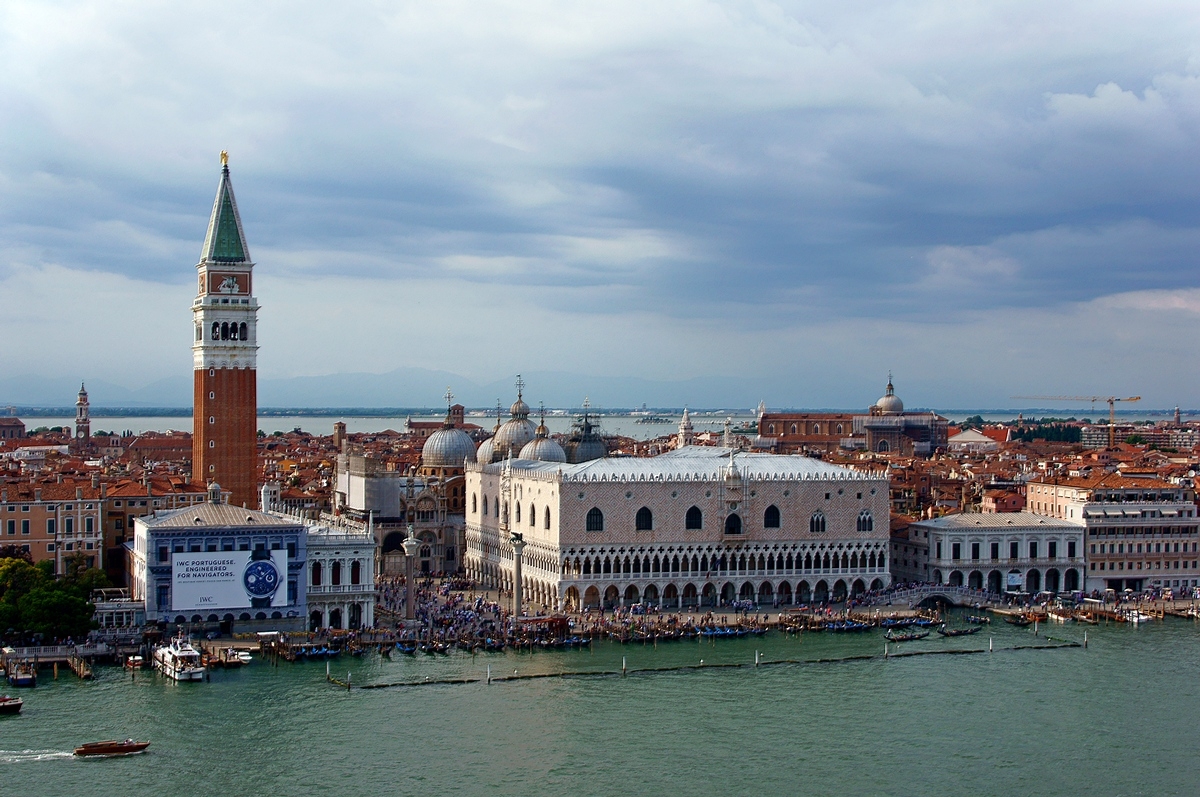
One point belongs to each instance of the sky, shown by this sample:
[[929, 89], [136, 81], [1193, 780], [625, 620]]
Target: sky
[[986, 199]]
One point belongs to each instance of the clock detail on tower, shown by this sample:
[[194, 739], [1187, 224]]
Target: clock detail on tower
[[224, 356]]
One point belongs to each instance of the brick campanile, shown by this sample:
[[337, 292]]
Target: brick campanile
[[224, 353]]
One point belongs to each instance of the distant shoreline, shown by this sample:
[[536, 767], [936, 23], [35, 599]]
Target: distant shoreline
[[393, 412]]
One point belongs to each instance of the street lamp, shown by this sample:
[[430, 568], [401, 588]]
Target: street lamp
[[411, 548]]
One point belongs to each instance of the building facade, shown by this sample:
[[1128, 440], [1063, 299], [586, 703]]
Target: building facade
[[341, 576], [53, 522], [1141, 532], [224, 355], [389, 500], [215, 563], [1005, 552], [697, 526]]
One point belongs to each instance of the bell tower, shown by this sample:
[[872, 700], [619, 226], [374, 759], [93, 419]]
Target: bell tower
[[224, 355], [83, 422]]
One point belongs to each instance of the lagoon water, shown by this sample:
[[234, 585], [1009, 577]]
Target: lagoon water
[[1118, 718]]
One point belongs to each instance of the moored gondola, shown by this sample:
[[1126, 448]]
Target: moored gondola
[[953, 632]]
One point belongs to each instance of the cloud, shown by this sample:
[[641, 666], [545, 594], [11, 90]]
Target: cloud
[[695, 172]]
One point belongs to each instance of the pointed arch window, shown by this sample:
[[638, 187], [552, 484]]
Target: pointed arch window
[[644, 520], [694, 519], [532, 515], [474, 504], [816, 523], [518, 512], [771, 517], [733, 524], [595, 519], [485, 509], [547, 524], [865, 521]]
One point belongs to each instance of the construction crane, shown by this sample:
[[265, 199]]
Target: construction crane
[[1112, 413]]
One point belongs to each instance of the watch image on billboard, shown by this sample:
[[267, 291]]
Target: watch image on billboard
[[228, 580]]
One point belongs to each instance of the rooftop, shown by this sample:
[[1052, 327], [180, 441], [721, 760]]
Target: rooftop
[[994, 520], [696, 463], [210, 514]]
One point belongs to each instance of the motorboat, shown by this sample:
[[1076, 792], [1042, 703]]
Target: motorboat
[[134, 662], [111, 749], [1019, 620], [178, 660], [10, 705], [244, 656], [909, 636]]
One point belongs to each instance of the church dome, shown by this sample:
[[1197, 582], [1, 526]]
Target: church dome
[[448, 448], [585, 450], [515, 435], [544, 449], [890, 403], [519, 409], [487, 451]]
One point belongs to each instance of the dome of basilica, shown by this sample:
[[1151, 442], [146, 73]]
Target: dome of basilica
[[486, 452], [448, 447], [542, 448], [515, 435]]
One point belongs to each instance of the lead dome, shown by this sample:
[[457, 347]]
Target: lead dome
[[890, 403], [542, 448], [448, 447]]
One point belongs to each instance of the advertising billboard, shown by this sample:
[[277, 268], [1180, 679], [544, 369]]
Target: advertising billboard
[[1015, 582], [228, 580]]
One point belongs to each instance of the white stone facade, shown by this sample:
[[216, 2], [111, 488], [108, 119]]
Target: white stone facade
[[1004, 552], [693, 527], [341, 577]]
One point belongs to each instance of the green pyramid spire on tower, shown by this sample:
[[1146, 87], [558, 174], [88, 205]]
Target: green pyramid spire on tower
[[225, 241]]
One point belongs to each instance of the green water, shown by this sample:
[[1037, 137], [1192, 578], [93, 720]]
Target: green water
[[1116, 719]]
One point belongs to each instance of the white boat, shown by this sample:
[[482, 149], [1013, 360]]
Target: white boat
[[1138, 617], [179, 660], [244, 656]]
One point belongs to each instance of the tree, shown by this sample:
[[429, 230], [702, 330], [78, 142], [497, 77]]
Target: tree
[[55, 612]]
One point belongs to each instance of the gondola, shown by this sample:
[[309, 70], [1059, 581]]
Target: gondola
[[952, 632], [846, 626], [1019, 621], [909, 636], [975, 619]]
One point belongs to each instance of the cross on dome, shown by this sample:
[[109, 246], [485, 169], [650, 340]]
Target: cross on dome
[[520, 386]]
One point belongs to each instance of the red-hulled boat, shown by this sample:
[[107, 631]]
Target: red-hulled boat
[[10, 705], [111, 749]]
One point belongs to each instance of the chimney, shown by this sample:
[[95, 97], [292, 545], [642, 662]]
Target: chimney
[[78, 493], [95, 480], [37, 494], [104, 491]]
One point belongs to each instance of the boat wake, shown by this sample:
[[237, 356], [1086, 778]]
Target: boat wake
[[20, 756]]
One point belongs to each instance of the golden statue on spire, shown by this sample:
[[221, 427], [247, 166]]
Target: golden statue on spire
[[224, 158]]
